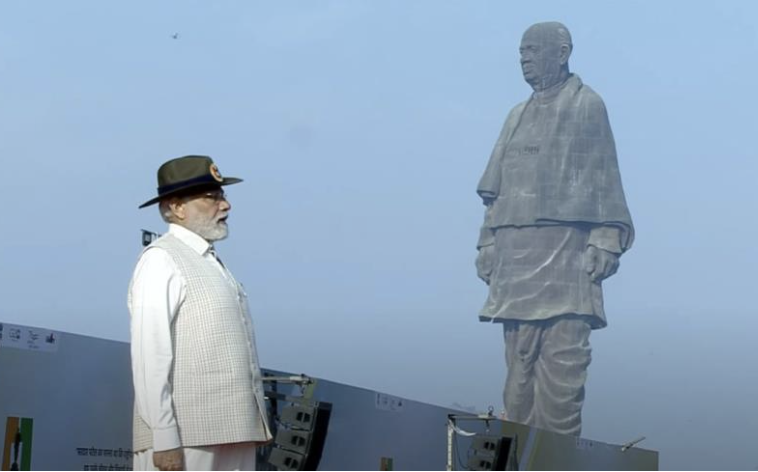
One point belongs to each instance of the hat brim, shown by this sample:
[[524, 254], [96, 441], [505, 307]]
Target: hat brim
[[225, 181]]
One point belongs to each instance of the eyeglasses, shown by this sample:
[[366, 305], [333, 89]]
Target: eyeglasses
[[217, 196]]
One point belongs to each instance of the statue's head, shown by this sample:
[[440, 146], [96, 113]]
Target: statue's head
[[545, 50]]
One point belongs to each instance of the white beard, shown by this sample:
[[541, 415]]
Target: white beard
[[208, 229]]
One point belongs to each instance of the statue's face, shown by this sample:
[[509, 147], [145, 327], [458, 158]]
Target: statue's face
[[540, 58]]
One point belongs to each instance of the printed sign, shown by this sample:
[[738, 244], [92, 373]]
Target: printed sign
[[388, 402], [32, 339], [584, 444], [117, 459]]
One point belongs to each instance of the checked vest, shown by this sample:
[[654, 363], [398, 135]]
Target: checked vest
[[216, 381]]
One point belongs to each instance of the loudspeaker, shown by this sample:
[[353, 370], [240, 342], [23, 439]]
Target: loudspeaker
[[293, 440], [300, 438], [491, 453], [286, 460], [299, 416]]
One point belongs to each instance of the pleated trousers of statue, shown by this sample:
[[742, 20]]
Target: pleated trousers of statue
[[547, 364]]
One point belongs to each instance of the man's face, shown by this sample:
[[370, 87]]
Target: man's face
[[540, 58], [205, 214]]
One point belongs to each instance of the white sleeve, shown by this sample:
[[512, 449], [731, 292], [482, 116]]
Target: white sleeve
[[157, 291]]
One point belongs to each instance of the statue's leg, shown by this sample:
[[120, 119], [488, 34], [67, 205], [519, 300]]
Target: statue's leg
[[521, 350], [560, 373]]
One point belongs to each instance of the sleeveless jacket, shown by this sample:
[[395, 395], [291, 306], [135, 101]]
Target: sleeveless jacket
[[216, 383]]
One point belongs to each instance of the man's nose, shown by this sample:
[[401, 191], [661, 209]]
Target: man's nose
[[225, 205]]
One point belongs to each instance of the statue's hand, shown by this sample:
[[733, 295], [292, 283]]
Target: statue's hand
[[485, 263], [599, 263]]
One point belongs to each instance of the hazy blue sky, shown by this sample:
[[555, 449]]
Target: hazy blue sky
[[361, 130]]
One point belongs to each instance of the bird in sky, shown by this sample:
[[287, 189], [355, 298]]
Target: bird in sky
[[175, 35]]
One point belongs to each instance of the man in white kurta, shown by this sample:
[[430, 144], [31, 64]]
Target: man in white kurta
[[555, 226], [199, 401]]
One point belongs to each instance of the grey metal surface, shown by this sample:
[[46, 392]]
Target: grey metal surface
[[79, 395], [80, 398]]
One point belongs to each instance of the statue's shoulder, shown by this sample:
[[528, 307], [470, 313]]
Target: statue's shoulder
[[590, 93], [520, 106], [517, 110], [589, 99]]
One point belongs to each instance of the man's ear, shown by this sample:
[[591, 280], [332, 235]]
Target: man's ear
[[177, 207], [565, 53]]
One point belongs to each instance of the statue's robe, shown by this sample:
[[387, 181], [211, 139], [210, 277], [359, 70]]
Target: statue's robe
[[552, 187]]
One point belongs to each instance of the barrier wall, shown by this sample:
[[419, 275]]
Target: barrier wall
[[66, 404]]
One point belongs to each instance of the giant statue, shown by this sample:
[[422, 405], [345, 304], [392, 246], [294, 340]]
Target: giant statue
[[555, 225]]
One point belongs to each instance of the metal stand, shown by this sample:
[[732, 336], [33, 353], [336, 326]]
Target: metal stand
[[452, 429]]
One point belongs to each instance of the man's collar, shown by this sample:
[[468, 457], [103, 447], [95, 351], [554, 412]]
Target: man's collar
[[189, 238]]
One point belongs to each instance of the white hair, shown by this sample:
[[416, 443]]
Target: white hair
[[166, 213]]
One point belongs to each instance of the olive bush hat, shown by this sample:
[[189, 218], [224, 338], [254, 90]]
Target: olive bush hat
[[188, 172]]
